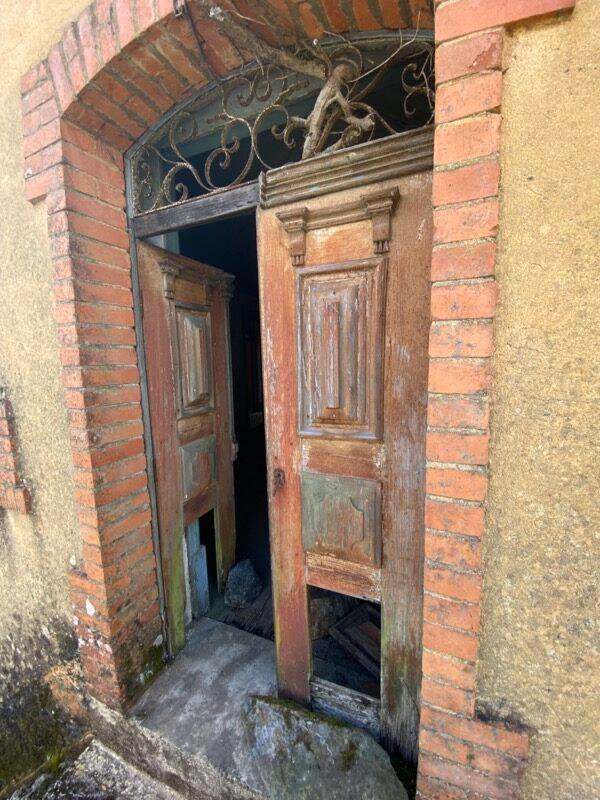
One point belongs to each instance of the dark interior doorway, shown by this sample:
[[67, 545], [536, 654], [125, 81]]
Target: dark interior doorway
[[345, 632], [230, 245]]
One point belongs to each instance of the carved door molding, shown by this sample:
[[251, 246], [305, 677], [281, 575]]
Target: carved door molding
[[376, 206], [340, 325]]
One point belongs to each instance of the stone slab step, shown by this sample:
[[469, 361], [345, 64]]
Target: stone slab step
[[96, 774], [193, 777]]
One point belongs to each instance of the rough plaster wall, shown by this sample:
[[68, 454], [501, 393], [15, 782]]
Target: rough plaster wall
[[542, 551], [35, 627], [539, 589]]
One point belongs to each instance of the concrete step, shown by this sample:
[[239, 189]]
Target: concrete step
[[96, 774], [186, 731], [191, 776]]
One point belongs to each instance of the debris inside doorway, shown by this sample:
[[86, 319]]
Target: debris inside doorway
[[326, 609], [257, 618], [346, 641], [243, 585], [301, 755], [359, 633]]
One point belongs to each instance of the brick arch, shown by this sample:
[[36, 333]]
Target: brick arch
[[123, 63], [118, 68], [114, 73]]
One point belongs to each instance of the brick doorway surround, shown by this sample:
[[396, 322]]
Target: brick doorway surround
[[116, 70]]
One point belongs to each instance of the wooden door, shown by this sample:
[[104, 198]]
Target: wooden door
[[344, 277], [185, 308]]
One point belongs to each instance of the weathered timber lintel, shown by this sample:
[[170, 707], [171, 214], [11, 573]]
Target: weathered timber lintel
[[200, 210], [366, 164]]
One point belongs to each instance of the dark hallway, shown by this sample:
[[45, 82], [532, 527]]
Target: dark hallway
[[230, 245]]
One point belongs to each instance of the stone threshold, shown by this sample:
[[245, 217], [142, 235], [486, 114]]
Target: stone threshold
[[186, 731]]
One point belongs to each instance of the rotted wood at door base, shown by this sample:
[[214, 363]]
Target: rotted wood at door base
[[345, 407]]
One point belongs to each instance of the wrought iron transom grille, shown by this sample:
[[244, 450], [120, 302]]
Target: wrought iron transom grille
[[266, 116]]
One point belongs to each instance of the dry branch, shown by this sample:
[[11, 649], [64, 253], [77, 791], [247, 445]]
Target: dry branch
[[339, 101]]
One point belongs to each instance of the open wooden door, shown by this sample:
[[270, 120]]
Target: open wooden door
[[344, 262], [185, 308]]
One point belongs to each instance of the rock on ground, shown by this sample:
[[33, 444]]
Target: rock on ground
[[243, 585], [97, 774], [300, 755]]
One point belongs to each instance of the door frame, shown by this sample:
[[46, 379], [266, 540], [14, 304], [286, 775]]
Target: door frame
[[363, 165]]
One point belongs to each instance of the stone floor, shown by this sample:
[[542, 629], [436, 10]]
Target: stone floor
[[197, 702], [197, 733]]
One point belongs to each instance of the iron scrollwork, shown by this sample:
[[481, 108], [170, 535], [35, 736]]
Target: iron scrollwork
[[268, 86], [418, 80], [163, 174]]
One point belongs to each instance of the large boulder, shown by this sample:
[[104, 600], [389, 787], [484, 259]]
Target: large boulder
[[243, 585], [300, 755]]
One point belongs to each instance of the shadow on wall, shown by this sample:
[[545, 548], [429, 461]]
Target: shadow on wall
[[32, 728]]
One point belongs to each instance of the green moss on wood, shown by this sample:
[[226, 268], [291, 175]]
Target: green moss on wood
[[176, 592]]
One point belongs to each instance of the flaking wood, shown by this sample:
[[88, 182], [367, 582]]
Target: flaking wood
[[344, 252], [350, 706], [186, 340]]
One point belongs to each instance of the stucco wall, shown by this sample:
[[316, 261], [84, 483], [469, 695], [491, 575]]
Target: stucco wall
[[541, 559], [538, 634], [35, 620]]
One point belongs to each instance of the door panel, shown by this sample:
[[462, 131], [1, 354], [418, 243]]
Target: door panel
[[195, 360], [340, 322], [186, 342], [341, 517], [345, 299], [198, 466]]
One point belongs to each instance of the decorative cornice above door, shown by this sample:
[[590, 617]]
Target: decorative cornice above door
[[365, 164]]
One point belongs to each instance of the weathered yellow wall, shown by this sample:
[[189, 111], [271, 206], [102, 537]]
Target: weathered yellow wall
[[35, 620], [540, 626], [538, 635]]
